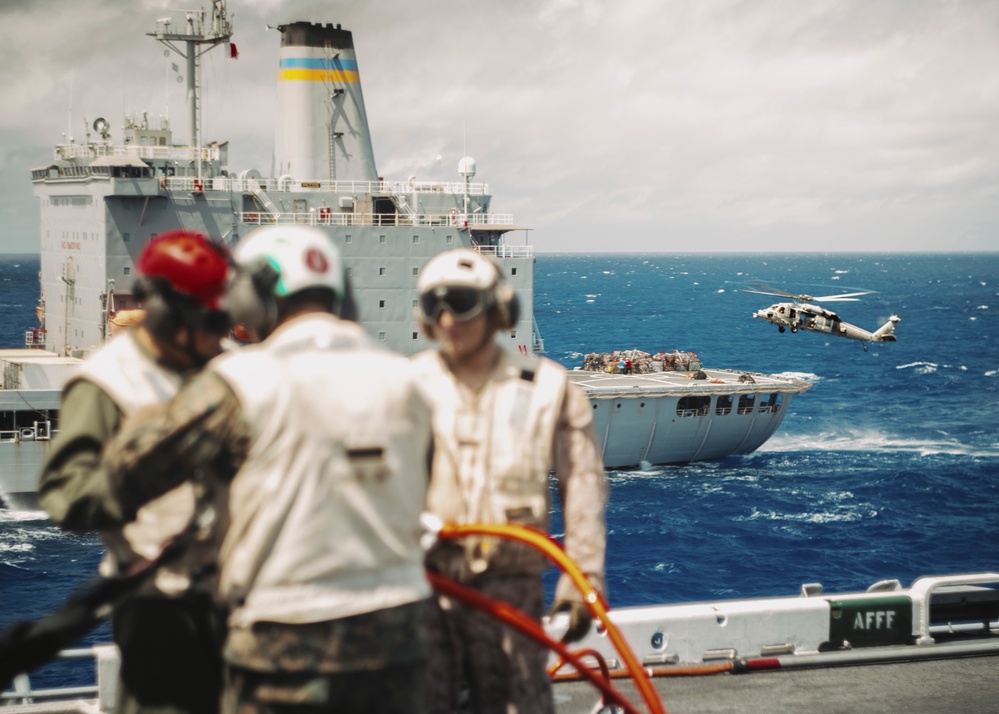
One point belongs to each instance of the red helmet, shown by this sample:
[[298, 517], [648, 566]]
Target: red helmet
[[190, 262]]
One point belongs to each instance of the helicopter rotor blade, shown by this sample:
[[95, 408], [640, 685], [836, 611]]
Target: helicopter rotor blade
[[850, 297], [760, 292]]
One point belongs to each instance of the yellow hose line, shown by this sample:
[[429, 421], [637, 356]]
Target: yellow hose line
[[591, 596]]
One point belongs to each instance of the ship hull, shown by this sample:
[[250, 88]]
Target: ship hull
[[671, 418]]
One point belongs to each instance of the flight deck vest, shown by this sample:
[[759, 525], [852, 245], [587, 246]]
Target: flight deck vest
[[133, 381], [493, 452], [324, 517]]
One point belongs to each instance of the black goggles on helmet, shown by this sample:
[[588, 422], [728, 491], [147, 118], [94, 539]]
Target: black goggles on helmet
[[463, 303]]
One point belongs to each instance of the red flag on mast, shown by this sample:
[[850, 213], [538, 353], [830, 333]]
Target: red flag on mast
[[233, 52]]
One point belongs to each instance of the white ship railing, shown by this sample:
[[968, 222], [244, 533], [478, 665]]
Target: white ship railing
[[152, 153], [507, 251], [329, 217], [289, 185], [102, 694], [41, 431]]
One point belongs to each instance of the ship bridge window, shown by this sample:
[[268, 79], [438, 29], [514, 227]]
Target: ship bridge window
[[416, 239], [746, 403], [513, 271], [127, 271], [416, 272], [348, 238], [448, 240], [381, 271], [693, 406], [381, 238], [723, 406], [381, 304]]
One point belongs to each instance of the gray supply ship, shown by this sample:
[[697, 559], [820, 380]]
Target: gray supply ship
[[103, 198]]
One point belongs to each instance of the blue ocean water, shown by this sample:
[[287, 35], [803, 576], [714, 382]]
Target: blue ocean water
[[887, 468]]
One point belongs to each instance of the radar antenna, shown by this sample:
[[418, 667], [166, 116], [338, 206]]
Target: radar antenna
[[197, 38]]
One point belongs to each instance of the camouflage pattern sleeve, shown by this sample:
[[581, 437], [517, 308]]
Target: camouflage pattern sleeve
[[201, 434], [582, 486]]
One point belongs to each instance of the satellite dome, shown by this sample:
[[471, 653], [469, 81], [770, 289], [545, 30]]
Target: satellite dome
[[466, 167]]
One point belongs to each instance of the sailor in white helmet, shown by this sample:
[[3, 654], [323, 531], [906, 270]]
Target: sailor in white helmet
[[324, 439], [501, 423]]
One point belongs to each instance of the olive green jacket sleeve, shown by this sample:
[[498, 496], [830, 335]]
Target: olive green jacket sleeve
[[74, 488]]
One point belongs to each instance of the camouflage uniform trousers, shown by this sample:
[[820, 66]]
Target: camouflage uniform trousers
[[503, 670], [374, 663]]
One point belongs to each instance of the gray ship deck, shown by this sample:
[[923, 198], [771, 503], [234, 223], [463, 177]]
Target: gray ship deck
[[966, 684]]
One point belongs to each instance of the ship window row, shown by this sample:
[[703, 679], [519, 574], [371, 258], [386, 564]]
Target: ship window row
[[71, 201], [695, 406]]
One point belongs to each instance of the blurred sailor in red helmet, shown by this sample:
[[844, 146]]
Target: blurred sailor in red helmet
[[168, 631]]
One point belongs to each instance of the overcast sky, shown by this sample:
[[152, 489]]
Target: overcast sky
[[625, 125]]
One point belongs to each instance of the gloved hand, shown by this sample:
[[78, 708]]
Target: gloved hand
[[580, 619]]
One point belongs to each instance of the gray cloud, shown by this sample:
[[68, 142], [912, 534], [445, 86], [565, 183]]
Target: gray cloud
[[637, 126]]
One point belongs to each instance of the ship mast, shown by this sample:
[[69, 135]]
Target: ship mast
[[191, 42]]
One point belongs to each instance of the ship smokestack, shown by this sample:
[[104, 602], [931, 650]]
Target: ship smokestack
[[321, 128]]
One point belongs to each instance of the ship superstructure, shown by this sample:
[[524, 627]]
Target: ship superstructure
[[102, 199]]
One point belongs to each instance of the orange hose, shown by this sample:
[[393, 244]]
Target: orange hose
[[512, 616], [698, 671], [595, 602]]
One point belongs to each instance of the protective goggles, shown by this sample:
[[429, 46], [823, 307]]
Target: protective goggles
[[463, 303]]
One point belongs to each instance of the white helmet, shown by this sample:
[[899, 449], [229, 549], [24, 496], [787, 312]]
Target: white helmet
[[276, 262], [303, 257], [465, 268]]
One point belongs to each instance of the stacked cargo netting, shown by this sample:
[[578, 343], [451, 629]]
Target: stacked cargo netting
[[638, 362]]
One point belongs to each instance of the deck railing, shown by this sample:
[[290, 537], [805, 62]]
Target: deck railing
[[323, 217]]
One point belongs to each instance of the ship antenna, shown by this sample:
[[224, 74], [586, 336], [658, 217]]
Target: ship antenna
[[194, 36], [69, 119]]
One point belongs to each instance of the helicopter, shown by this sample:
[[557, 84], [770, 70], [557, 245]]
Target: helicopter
[[802, 314]]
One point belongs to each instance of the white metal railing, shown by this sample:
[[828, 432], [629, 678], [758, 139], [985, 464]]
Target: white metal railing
[[103, 693], [160, 153], [288, 185], [328, 217], [507, 251], [40, 431]]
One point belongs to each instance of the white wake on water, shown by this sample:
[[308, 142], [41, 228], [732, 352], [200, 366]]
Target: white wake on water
[[874, 441]]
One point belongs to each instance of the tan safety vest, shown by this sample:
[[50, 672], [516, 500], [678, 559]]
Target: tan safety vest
[[493, 452], [133, 381], [324, 511]]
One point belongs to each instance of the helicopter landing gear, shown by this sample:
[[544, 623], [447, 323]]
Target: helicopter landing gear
[[780, 328], [865, 347], [794, 328]]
